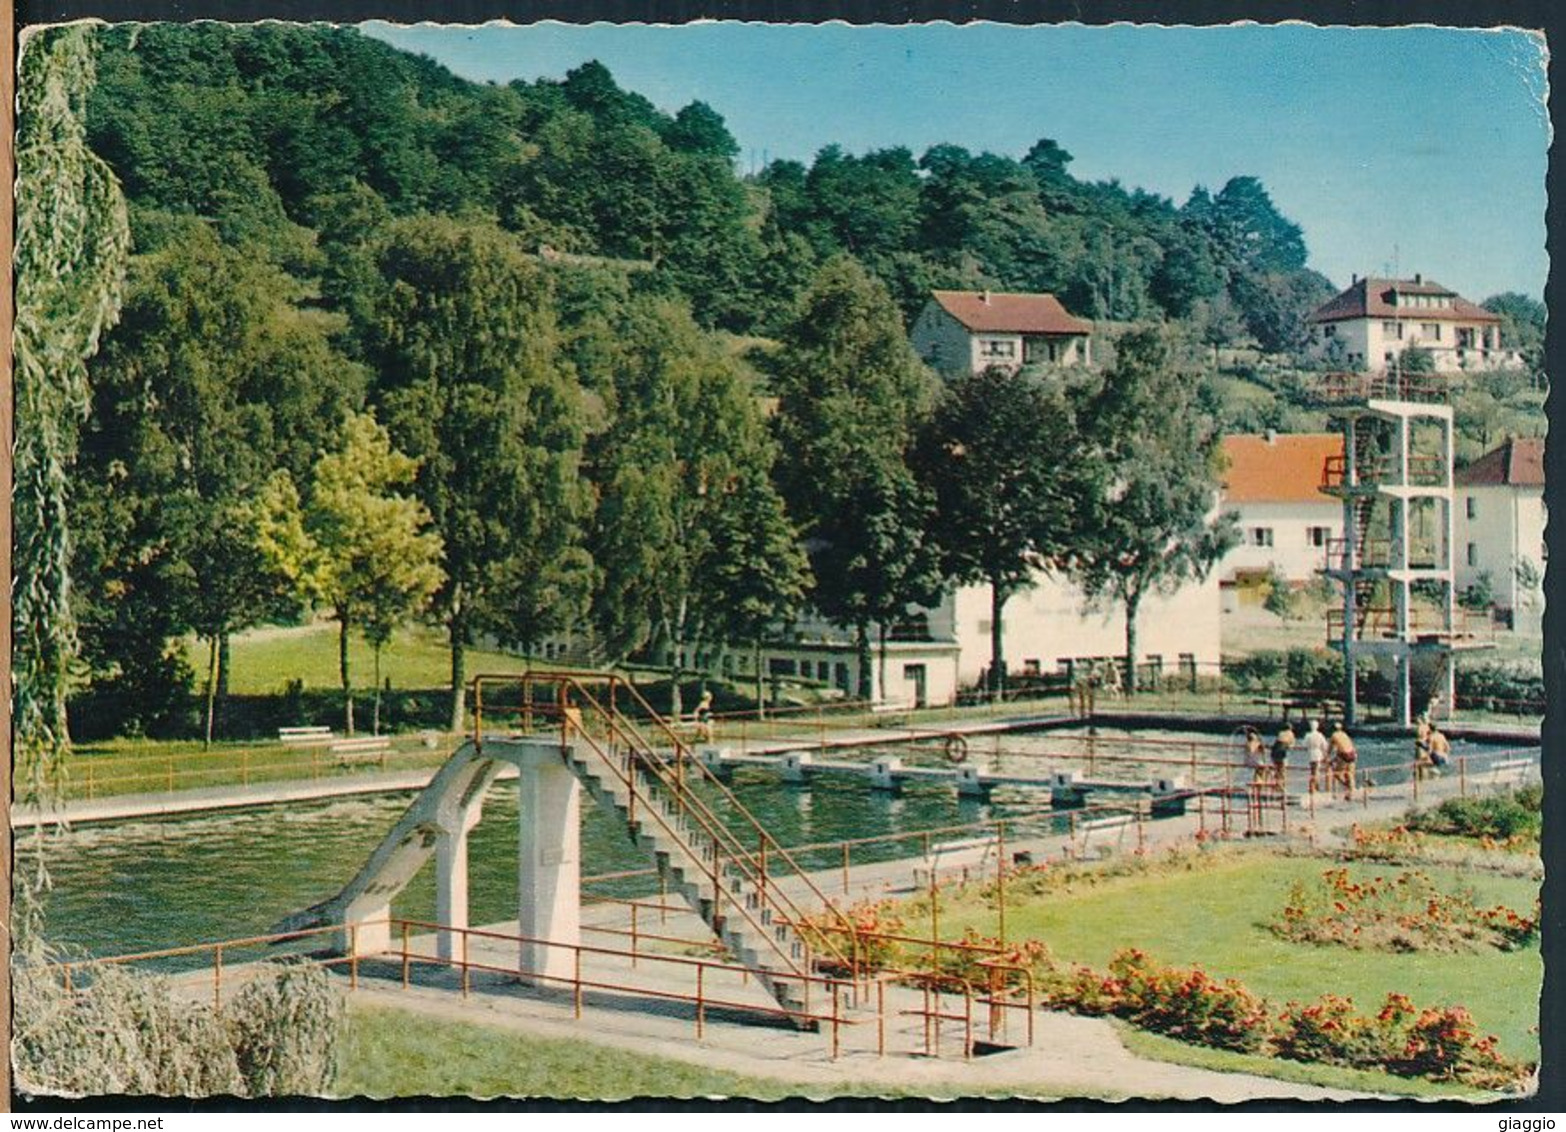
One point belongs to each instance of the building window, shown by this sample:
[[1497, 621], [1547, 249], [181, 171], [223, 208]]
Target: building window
[[1430, 330], [1261, 536], [1330, 330], [997, 348], [1473, 554], [1472, 506], [1392, 329], [1318, 536]]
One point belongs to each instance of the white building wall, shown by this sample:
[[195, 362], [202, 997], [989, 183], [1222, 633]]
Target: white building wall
[[1506, 526], [942, 341], [1049, 623], [1368, 341], [1292, 551]]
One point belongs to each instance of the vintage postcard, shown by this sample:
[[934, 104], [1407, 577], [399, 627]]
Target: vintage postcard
[[779, 561]]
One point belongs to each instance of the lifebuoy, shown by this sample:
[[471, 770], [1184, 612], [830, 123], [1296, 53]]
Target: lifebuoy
[[956, 748]]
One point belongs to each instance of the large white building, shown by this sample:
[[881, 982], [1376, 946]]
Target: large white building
[[1499, 523], [1369, 325], [1272, 484], [961, 332], [1047, 629]]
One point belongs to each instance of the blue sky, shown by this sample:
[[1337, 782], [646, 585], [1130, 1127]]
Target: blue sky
[[1419, 149]]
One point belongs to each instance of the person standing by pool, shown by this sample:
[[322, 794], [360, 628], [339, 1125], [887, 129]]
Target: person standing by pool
[[1440, 750], [1281, 746], [1422, 732], [1255, 756], [703, 718], [1343, 759], [1316, 749]]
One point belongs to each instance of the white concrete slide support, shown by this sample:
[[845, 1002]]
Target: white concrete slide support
[[549, 859], [435, 823]]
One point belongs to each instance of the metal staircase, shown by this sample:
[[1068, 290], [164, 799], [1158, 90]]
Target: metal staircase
[[728, 867]]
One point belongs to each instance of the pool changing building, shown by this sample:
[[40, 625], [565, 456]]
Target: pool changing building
[[1048, 628]]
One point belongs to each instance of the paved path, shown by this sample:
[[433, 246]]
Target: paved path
[[120, 806]]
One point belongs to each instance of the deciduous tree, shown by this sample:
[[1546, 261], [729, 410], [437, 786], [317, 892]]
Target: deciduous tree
[[1155, 525], [850, 393], [1005, 462], [471, 385], [72, 239]]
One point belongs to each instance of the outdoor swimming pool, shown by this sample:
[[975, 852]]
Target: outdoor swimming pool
[[147, 884]]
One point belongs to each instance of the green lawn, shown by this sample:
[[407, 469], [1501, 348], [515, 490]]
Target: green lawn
[[1213, 917], [390, 1053], [265, 660], [134, 766]]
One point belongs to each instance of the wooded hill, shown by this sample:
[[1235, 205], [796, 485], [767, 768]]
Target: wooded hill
[[289, 138]]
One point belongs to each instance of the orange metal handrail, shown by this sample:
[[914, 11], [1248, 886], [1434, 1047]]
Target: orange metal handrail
[[652, 763], [739, 855]]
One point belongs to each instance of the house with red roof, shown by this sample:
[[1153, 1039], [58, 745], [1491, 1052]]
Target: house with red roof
[[1499, 525], [1272, 483], [961, 332], [1370, 324]]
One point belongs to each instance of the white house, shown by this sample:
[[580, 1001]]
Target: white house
[[1499, 523], [962, 332], [1371, 323], [1272, 483], [1047, 629]]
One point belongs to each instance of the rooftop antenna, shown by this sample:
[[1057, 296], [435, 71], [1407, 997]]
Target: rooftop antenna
[[1396, 263]]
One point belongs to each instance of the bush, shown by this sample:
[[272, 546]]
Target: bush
[[1189, 1004], [1498, 686], [1495, 816], [1330, 1031], [128, 1033]]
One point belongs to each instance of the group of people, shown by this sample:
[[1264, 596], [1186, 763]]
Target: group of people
[[1331, 754]]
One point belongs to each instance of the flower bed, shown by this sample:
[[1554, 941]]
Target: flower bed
[[1406, 913], [1439, 1043]]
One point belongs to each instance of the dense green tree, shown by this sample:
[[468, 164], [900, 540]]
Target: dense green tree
[[1251, 230], [470, 383], [215, 376], [1004, 460], [1522, 327], [685, 452], [850, 393], [72, 238], [698, 128], [757, 580], [1154, 527]]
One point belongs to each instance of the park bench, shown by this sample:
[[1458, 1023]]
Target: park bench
[[1110, 823], [891, 713], [305, 736], [955, 858], [370, 748], [1511, 768]]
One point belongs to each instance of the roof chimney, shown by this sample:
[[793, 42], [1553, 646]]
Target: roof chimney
[[984, 296], [1272, 436], [1418, 278], [1354, 279]]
